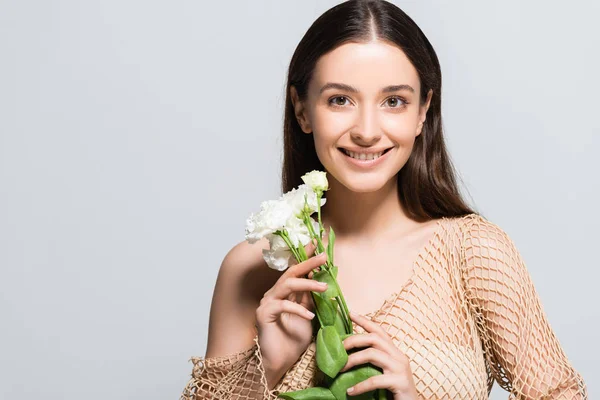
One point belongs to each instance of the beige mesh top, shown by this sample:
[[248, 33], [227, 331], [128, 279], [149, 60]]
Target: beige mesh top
[[468, 315]]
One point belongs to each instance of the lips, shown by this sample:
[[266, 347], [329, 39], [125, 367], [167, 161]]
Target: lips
[[365, 164], [344, 151]]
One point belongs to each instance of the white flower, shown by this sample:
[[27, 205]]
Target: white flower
[[272, 217], [278, 255], [286, 215], [298, 232], [317, 180], [295, 198]]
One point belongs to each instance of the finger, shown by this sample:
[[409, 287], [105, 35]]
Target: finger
[[370, 355], [385, 381], [293, 285], [367, 324], [307, 301], [370, 340], [305, 266], [310, 248], [273, 309]]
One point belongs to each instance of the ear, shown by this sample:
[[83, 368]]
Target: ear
[[300, 111], [423, 112]]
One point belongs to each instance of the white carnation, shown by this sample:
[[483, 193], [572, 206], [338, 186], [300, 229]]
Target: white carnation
[[295, 198], [272, 217], [317, 180], [286, 216], [298, 232], [278, 255]]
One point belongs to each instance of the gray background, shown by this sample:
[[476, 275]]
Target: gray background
[[137, 136]]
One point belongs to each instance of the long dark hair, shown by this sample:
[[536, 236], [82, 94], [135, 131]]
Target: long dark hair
[[426, 183]]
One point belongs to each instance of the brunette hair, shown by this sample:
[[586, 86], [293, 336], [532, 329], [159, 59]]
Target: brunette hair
[[426, 183]]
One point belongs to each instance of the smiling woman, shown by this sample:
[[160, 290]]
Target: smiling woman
[[347, 107], [459, 309]]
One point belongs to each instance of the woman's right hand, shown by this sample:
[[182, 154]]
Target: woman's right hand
[[284, 318]]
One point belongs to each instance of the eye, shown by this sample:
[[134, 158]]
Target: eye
[[395, 100], [338, 101]]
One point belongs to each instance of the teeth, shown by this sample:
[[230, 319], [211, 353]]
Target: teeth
[[363, 156]]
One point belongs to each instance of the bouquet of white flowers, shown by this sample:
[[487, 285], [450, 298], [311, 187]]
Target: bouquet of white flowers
[[288, 226]]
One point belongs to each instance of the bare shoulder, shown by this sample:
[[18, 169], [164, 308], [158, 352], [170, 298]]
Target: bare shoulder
[[245, 267], [242, 280]]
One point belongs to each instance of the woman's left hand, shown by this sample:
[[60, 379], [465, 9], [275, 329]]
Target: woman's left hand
[[383, 353]]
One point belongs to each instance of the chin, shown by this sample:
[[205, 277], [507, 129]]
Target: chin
[[364, 184]]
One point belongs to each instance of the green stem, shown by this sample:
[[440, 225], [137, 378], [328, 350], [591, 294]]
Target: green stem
[[343, 306], [313, 234], [321, 248], [292, 248], [319, 195], [316, 309]]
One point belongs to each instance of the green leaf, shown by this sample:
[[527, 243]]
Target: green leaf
[[334, 271], [339, 324], [330, 353], [325, 308], [317, 393], [350, 378], [330, 243], [325, 276], [315, 322]]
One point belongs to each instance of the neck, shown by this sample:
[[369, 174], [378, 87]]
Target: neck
[[359, 216]]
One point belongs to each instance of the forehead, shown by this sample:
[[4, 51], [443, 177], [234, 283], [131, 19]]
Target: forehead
[[367, 66]]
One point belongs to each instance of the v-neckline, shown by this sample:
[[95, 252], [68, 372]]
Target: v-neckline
[[415, 265]]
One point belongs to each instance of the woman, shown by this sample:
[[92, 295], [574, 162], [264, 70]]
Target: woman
[[453, 308]]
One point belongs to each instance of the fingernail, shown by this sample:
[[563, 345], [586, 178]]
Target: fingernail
[[324, 284], [310, 314], [350, 390]]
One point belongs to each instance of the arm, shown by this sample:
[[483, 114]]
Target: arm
[[238, 376], [523, 351], [233, 367], [241, 376]]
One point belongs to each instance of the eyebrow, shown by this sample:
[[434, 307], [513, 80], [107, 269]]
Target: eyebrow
[[343, 86]]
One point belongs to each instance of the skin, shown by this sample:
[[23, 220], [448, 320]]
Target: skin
[[365, 119], [379, 235], [379, 232], [381, 351]]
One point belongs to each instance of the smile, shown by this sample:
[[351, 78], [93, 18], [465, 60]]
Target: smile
[[365, 160], [363, 156]]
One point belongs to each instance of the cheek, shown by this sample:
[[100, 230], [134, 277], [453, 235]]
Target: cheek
[[400, 133], [323, 145], [330, 123], [328, 128]]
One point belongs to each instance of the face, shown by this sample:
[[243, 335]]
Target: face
[[363, 97]]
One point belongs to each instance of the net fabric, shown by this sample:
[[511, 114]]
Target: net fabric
[[469, 315], [524, 354], [241, 376]]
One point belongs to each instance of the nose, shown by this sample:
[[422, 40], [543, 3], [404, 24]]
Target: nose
[[367, 128]]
